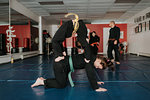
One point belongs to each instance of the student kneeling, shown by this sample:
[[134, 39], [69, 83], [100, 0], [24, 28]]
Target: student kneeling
[[61, 70]]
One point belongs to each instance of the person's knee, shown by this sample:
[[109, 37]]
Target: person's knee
[[63, 84]]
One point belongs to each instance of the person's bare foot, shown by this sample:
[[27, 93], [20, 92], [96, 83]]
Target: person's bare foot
[[38, 82], [100, 83], [118, 63], [101, 90], [112, 60], [42, 78]]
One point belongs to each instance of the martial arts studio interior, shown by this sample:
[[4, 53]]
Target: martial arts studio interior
[[74, 49]]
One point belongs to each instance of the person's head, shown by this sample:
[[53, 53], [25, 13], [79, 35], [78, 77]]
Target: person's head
[[112, 24], [99, 63], [103, 63], [93, 33]]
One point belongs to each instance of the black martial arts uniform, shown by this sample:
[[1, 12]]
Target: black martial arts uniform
[[94, 40], [65, 31], [114, 35], [61, 70]]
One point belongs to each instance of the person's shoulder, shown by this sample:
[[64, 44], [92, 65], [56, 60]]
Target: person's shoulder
[[80, 20], [69, 21], [117, 27], [96, 35]]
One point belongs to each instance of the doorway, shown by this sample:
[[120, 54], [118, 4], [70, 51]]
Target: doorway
[[105, 39]]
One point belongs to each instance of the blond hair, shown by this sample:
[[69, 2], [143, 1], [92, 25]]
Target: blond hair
[[76, 23]]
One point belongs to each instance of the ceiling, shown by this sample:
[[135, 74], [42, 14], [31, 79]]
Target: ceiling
[[89, 10]]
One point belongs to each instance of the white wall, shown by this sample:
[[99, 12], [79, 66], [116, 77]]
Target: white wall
[[107, 22], [54, 29], [138, 43]]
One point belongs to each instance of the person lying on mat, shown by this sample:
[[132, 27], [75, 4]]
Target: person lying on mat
[[61, 70]]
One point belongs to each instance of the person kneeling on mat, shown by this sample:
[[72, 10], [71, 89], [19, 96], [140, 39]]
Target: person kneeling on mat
[[61, 70]]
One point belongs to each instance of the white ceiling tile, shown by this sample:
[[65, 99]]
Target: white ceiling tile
[[86, 9]]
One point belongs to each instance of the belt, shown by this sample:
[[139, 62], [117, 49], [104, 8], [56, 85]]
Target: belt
[[71, 70], [94, 43]]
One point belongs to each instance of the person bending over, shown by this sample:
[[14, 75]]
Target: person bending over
[[62, 68]]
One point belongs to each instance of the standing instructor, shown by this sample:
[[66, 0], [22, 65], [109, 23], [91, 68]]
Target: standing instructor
[[113, 42]]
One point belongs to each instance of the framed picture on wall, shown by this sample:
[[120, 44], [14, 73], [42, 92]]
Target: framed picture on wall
[[149, 24], [137, 29], [121, 34], [148, 15], [140, 27], [144, 26]]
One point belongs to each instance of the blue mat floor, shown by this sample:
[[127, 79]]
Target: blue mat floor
[[130, 81]]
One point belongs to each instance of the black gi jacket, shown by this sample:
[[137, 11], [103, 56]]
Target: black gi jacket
[[79, 63], [62, 68], [94, 39], [114, 33], [65, 31]]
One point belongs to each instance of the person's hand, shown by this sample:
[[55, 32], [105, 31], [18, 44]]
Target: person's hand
[[98, 43], [87, 39], [115, 42], [100, 83], [87, 61], [59, 58], [92, 45], [64, 53]]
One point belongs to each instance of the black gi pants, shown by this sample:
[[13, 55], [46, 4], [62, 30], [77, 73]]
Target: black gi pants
[[112, 47], [61, 71], [94, 50]]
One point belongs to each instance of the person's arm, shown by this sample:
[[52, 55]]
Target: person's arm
[[58, 39], [97, 38], [82, 34], [90, 42], [62, 47], [117, 37], [91, 76]]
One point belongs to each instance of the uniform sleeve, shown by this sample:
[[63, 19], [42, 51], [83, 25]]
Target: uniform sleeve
[[90, 41], [58, 39], [98, 38], [91, 76], [82, 34], [117, 34]]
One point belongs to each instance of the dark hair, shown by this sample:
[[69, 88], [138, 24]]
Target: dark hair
[[105, 62], [92, 33]]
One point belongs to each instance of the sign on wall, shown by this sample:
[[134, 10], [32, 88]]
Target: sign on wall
[[121, 34], [10, 35]]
